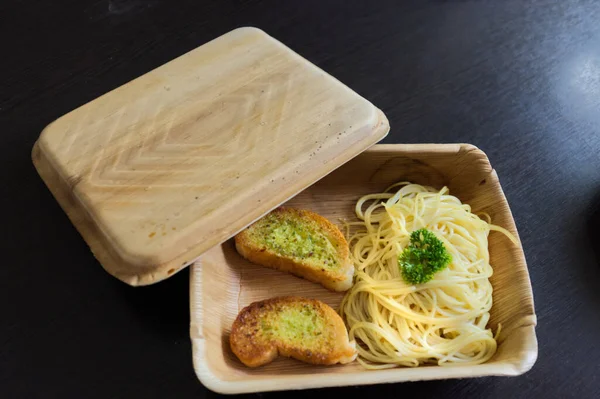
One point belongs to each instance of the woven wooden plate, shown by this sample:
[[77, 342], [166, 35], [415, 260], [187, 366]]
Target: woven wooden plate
[[222, 283]]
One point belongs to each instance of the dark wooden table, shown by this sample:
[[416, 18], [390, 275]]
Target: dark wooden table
[[519, 79]]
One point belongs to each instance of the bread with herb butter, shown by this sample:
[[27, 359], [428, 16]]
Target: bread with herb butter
[[304, 329], [302, 243]]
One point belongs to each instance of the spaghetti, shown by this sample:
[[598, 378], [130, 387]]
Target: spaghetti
[[443, 321]]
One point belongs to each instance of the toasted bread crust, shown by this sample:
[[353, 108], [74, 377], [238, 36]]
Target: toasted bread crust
[[338, 279], [254, 348]]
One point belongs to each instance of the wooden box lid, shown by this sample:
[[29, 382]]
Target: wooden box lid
[[161, 169]]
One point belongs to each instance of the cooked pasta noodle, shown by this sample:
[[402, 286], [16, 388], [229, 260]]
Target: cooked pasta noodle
[[443, 321]]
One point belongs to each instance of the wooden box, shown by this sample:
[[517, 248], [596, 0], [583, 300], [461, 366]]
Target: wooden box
[[167, 166], [222, 282]]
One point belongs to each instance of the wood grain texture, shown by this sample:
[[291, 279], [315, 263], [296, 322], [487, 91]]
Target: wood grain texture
[[515, 78], [222, 282], [177, 161]]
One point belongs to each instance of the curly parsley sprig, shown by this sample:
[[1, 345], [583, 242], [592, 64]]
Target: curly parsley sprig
[[423, 257]]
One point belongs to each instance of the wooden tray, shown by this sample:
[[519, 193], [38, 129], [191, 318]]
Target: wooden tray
[[175, 162], [222, 283]]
